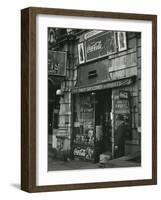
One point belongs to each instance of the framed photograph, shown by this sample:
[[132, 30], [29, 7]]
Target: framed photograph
[[122, 42], [88, 120]]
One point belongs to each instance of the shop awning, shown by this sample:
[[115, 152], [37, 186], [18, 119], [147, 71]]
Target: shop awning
[[105, 85]]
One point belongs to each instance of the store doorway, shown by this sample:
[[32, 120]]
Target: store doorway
[[103, 122], [53, 107]]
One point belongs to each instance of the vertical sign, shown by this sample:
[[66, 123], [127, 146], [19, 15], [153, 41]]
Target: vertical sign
[[81, 53], [122, 43], [122, 107]]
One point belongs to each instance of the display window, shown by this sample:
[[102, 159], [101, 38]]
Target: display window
[[91, 125]]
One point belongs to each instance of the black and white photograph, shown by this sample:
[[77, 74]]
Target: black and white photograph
[[94, 99]]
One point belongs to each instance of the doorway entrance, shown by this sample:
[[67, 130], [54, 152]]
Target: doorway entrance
[[53, 107], [103, 124]]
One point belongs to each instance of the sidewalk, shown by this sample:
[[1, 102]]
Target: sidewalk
[[70, 165], [55, 164]]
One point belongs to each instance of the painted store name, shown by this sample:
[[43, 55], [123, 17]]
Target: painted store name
[[94, 46]]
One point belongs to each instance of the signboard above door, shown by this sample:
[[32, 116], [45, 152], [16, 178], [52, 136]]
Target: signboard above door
[[100, 45]]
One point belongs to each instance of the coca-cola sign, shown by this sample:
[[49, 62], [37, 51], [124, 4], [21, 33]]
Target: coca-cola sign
[[100, 45]]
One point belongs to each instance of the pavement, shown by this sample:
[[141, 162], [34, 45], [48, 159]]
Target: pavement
[[55, 164], [71, 165]]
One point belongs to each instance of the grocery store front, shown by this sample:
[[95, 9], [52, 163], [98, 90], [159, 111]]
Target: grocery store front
[[94, 118]]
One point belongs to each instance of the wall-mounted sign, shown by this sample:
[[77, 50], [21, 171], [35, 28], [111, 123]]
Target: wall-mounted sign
[[92, 33], [124, 94], [81, 55], [105, 85], [122, 109], [122, 106], [122, 43], [57, 63], [100, 45]]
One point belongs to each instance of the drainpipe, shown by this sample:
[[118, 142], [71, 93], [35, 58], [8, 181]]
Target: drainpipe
[[113, 126]]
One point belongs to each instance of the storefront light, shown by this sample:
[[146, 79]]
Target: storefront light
[[93, 93], [59, 92]]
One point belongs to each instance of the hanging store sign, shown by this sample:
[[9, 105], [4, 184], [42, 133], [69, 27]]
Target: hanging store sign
[[57, 63], [101, 45]]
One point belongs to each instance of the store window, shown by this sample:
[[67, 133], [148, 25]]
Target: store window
[[92, 125]]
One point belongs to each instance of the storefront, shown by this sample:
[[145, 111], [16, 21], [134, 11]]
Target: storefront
[[95, 113], [107, 87]]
